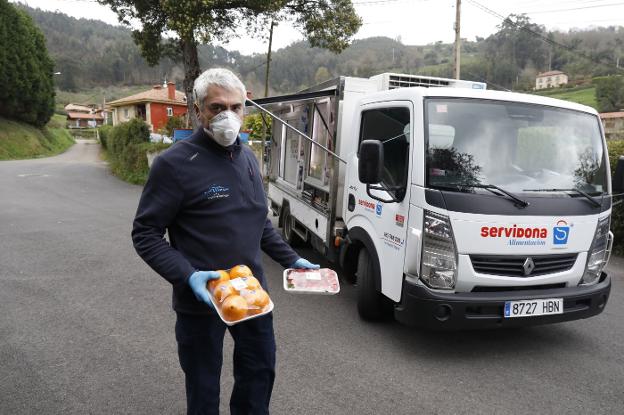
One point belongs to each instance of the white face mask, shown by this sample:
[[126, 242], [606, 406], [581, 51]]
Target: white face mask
[[225, 127]]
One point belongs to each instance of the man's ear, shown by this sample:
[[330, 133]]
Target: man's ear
[[197, 111]]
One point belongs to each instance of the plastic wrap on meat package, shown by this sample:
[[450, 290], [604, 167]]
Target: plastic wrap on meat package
[[311, 281]]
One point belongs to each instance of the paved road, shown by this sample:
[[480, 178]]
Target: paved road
[[86, 327]]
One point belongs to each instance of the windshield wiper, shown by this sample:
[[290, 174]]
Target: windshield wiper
[[579, 191], [489, 187]]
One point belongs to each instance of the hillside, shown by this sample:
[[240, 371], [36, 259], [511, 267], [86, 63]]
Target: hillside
[[92, 54], [22, 141], [585, 95]]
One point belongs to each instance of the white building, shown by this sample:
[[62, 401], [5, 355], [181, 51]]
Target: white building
[[550, 79]]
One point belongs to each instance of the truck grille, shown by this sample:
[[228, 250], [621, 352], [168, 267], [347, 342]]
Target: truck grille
[[518, 266]]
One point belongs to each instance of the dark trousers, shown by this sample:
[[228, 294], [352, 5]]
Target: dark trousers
[[200, 349]]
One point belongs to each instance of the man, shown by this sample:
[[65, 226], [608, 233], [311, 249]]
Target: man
[[207, 192]]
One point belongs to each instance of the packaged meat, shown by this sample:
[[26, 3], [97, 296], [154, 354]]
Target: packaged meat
[[311, 281]]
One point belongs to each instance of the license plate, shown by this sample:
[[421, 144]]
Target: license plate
[[530, 308]]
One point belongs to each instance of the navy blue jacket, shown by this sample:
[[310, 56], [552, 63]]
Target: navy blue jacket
[[211, 201]]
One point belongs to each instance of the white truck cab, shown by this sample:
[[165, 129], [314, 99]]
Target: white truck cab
[[456, 207]]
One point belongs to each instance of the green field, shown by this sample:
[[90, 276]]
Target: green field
[[585, 95], [23, 141], [96, 95]]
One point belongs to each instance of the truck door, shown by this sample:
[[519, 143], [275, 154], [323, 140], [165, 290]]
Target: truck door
[[385, 222]]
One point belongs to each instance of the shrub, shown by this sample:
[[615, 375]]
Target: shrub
[[609, 93], [616, 149], [104, 133], [176, 121], [134, 131], [127, 145], [132, 166]]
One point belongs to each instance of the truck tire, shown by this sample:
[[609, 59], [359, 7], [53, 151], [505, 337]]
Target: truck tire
[[288, 232], [371, 304]]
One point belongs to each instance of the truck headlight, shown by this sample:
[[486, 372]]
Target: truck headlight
[[439, 256], [598, 254]]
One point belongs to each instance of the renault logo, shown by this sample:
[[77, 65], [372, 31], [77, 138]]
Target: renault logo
[[528, 266]]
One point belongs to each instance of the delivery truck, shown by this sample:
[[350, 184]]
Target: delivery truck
[[451, 206]]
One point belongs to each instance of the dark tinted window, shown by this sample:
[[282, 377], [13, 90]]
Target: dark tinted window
[[391, 127]]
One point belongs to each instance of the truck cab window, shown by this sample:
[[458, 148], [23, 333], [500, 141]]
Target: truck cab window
[[391, 127]]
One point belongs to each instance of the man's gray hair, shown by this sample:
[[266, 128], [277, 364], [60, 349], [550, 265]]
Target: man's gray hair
[[220, 77]]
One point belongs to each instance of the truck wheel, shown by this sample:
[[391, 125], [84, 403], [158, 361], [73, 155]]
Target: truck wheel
[[288, 229], [372, 305]]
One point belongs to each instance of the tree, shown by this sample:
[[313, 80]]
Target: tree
[[255, 124], [26, 70], [516, 44], [321, 75], [325, 23], [173, 123], [609, 93]]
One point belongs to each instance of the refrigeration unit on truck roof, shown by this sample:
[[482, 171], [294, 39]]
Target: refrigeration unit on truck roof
[[451, 207]]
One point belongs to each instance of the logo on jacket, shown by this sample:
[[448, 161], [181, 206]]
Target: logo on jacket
[[561, 233], [217, 192]]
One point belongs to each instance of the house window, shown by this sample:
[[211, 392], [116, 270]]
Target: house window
[[126, 112], [169, 112]]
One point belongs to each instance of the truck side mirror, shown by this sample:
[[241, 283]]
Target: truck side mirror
[[371, 160], [617, 184]]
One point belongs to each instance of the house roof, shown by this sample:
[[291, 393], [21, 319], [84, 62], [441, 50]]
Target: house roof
[[618, 114], [550, 73], [156, 94], [83, 116], [77, 108]]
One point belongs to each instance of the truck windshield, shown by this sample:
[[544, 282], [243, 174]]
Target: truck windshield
[[523, 148]]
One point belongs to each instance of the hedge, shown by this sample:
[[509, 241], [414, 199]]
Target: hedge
[[616, 149], [127, 145], [104, 133]]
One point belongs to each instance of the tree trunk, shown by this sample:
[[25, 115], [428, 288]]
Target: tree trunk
[[191, 72]]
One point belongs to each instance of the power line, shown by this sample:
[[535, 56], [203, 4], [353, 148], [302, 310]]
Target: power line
[[539, 35], [577, 8], [480, 79]]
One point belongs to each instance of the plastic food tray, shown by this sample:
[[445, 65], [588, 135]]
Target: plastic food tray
[[315, 274], [231, 323]]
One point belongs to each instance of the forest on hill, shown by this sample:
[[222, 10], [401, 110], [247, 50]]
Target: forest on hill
[[91, 54]]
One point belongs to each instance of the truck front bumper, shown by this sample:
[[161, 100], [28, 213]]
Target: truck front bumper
[[425, 308]]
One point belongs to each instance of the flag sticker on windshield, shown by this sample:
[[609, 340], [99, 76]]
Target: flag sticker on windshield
[[441, 108]]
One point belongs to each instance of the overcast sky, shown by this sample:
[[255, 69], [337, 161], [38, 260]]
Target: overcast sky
[[416, 22]]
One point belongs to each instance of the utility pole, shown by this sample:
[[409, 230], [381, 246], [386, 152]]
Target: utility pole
[[266, 94], [456, 62], [268, 64]]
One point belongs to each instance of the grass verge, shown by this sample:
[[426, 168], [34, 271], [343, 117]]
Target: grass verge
[[23, 141]]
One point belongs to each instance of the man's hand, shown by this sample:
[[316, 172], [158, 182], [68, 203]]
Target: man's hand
[[302, 263], [198, 281]]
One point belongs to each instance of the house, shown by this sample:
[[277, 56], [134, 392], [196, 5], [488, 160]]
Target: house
[[550, 79], [613, 123], [154, 106], [84, 116]]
